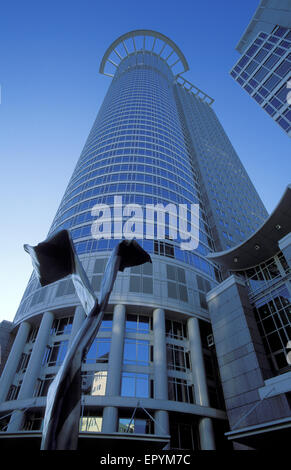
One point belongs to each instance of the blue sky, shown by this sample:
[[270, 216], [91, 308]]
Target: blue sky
[[51, 91]]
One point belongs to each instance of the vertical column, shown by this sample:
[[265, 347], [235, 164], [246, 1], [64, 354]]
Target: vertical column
[[200, 383], [79, 318], [13, 359], [33, 368], [110, 413], [160, 370]]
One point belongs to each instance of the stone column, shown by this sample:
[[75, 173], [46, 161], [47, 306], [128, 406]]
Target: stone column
[[79, 318], [33, 369], [160, 370], [200, 383], [13, 359], [110, 413]]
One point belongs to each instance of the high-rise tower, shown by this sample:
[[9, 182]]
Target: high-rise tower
[[152, 368], [264, 68]]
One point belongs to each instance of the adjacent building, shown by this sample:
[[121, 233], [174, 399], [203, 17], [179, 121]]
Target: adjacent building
[[251, 319], [264, 68], [151, 376]]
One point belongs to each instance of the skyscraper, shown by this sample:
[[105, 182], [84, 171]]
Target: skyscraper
[[151, 371], [264, 68]]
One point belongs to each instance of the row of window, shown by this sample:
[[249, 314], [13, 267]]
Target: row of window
[[262, 276]]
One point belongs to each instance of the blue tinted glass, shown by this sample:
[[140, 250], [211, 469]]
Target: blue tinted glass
[[128, 387], [268, 46], [253, 82], [250, 52], [262, 72], [276, 103], [263, 91], [283, 69], [282, 93], [271, 61], [274, 39], [62, 351], [285, 44], [142, 386], [269, 110], [280, 31], [260, 55], [251, 67], [129, 351], [104, 349], [143, 351], [279, 51], [283, 123], [271, 82]]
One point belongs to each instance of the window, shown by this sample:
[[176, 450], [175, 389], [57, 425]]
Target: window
[[283, 263], [99, 351], [272, 81], [273, 315], [251, 67], [137, 324], [33, 421], [42, 386], [179, 390], [164, 249], [177, 358], [204, 286], [91, 422], [54, 355], [94, 383], [32, 335], [177, 288], [23, 362], [141, 279], [270, 110], [107, 321], [62, 326], [13, 391], [96, 283], [175, 329], [136, 426], [184, 436], [100, 265], [261, 276], [136, 352], [135, 385], [271, 61]]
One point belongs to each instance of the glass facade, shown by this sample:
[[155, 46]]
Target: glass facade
[[264, 72], [270, 295]]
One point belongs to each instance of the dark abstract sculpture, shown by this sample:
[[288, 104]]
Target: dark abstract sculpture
[[53, 260]]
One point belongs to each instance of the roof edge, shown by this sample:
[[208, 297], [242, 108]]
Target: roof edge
[[263, 243]]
